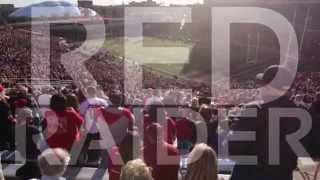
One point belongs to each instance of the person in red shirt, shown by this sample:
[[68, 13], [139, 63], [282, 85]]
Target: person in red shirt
[[155, 113], [185, 129], [118, 118], [120, 155], [154, 144], [119, 121], [186, 134], [61, 125]]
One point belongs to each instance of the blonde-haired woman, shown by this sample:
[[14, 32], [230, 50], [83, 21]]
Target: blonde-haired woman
[[202, 164], [136, 170]]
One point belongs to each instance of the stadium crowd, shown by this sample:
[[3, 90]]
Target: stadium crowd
[[63, 116]]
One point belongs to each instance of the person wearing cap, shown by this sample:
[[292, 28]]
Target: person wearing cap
[[24, 98], [260, 125]]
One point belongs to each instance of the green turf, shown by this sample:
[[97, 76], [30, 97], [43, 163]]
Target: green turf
[[135, 53]]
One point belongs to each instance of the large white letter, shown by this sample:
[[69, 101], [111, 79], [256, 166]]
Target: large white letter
[[293, 139]]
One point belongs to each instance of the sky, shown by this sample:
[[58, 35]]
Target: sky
[[20, 3]]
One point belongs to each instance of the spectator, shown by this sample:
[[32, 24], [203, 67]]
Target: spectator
[[27, 143], [212, 125], [314, 145], [136, 170], [44, 99], [72, 102], [1, 172], [120, 155], [53, 163], [61, 125], [298, 100], [6, 124], [119, 119], [202, 164], [186, 132], [154, 144], [155, 113], [315, 109], [92, 101], [23, 93], [25, 98], [307, 102], [101, 94], [152, 96], [89, 109], [263, 170]]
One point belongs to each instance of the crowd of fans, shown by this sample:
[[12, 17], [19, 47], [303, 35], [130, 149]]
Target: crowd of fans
[[64, 117], [60, 121]]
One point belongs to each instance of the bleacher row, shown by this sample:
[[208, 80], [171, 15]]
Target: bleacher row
[[306, 169], [77, 173], [10, 165]]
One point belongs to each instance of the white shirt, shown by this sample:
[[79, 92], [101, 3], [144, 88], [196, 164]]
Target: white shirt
[[44, 99], [44, 102], [87, 109], [52, 178], [95, 101]]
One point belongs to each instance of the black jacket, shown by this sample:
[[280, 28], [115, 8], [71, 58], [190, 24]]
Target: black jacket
[[260, 147], [6, 127]]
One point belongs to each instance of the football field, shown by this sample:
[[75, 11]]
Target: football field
[[136, 53]]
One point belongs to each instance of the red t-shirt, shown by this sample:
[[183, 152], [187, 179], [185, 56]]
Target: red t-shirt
[[62, 129], [162, 172], [119, 121], [171, 128], [185, 129], [114, 168], [112, 114]]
